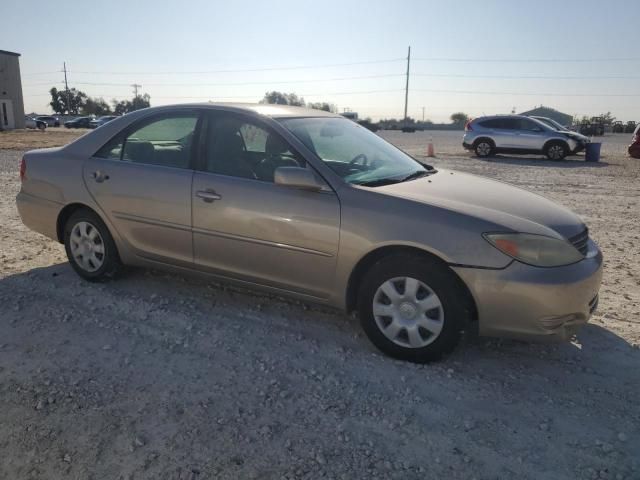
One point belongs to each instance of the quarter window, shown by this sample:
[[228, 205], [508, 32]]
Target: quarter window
[[238, 147]]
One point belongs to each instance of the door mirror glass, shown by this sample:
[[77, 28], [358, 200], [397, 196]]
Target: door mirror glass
[[297, 177]]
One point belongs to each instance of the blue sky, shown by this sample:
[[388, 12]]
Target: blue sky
[[177, 50]]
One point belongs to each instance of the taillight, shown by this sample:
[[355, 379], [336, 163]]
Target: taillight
[[467, 126], [23, 169]]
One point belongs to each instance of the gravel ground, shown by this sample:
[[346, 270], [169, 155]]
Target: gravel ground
[[165, 377]]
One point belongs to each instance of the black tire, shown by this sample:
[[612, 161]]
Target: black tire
[[556, 151], [110, 260], [456, 313], [484, 148]]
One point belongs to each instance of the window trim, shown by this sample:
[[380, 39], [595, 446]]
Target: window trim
[[142, 122]]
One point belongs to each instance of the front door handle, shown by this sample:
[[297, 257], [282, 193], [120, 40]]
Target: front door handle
[[99, 176], [208, 196]]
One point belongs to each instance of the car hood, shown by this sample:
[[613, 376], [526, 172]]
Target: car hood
[[575, 135], [507, 207]]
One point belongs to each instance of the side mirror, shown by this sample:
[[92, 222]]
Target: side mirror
[[297, 177]]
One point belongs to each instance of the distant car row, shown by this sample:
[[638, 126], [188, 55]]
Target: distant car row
[[43, 121], [88, 122]]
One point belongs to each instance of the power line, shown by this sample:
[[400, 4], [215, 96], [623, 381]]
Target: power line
[[234, 84], [527, 60], [533, 77], [362, 77], [541, 94], [264, 69]]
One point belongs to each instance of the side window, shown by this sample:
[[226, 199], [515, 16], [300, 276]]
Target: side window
[[529, 125], [113, 149], [493, 123], [238, 147], [167, 142], [510, 124]]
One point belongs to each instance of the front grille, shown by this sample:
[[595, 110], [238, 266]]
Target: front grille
[[581, 241]]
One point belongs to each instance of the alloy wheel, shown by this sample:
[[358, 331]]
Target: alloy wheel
[[483, 149]]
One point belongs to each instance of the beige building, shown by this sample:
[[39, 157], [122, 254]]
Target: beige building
[[11, 101]]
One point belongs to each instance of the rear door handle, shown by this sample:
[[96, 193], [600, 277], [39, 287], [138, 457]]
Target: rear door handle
[[208, 196], [99, 176]]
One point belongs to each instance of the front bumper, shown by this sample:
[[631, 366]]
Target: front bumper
[[535, 303]]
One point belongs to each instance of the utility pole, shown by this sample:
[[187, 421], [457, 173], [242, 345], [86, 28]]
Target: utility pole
[[406, 90], [135, 89], [422, 114], [66, 87]]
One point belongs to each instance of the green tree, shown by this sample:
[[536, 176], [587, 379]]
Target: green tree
[[70, 103], [136, 103], [459, 118], [280, 98], [327, 107], [96, 106]]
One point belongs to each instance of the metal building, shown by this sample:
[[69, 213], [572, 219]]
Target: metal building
[[11, 101]]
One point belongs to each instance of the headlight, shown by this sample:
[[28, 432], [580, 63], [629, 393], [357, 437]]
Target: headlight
[[536, 250]]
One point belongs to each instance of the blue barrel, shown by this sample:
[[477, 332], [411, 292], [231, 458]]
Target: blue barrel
[[592, 152]]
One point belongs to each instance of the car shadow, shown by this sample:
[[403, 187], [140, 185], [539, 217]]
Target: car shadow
[[569, 162], [185, 299]]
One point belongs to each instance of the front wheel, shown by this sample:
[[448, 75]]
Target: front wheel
[[556, 151], [90, 248], [412, 308]]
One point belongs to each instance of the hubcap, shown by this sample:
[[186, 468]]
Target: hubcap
[[87, 246], [408, 312], [484, 149]]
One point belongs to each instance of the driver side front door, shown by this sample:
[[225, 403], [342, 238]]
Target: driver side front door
[[249, 228]]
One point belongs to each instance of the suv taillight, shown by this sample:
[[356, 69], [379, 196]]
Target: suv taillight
[[467, 126], [23, 169]]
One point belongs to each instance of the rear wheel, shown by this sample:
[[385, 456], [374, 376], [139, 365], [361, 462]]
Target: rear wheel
[[483, 148], [556, 151], [412, 308], [90, 248]]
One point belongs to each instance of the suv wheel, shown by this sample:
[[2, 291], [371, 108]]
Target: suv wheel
[[412, 308], [90, 248], [483, 148], [556, 151]]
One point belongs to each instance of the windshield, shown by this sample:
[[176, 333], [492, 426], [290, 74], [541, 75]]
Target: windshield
[[359, 156], [552, 123]]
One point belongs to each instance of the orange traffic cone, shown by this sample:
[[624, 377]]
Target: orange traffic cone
[[430, 152]]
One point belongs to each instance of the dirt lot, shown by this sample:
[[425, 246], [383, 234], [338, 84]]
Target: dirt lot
[[164, 377]]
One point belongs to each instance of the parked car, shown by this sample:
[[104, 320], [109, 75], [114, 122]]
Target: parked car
[[581, 139], [97, 122], [33, 123], [51, 121], [309, 204], [634, 148], [520, 135], [80, 122]]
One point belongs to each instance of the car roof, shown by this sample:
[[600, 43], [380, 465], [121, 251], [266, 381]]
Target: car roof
[[267, 110], [486, 117]]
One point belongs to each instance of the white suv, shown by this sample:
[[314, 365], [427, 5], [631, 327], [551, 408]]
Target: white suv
[[519, 134]]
